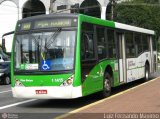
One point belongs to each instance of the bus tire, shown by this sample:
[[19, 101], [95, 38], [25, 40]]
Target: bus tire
[[7, 80], [106, 86], [147, 73]]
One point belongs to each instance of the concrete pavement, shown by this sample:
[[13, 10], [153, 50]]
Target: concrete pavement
[[142, 99]]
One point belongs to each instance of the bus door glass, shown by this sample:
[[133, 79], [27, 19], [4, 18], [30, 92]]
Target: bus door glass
[[122, 57], [88, 57], [153, 56], [154, 44]]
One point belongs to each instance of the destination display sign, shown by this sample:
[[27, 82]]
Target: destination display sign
[[25, 26], [47, 23], [53, 23]]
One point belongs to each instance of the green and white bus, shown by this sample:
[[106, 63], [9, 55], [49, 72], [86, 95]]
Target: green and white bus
[[63, 56]]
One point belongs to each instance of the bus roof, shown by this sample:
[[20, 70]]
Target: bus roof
[[97, 21], [119, 25], [133, 28], [48, 16]]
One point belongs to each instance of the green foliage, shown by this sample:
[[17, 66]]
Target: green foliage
[[141, 13], [145, 1]]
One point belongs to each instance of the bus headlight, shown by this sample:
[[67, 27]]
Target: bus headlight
[[68, 82], [18, 83]]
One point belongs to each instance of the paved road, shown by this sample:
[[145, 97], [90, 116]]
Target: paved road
[[140, 102], [4, 87], [48, 109]]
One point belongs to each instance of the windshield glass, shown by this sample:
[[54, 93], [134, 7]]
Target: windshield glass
[[45, 51]]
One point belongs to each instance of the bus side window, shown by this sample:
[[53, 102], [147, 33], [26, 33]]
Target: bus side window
[[154, 43], [130, 45], [87, 49], [145, 42], [88, 55], [87, 42], [138, 43], [101, 43], [111, 44]]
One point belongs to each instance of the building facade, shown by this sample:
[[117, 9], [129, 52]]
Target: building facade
[[18, 9], [31, 7], [89, 7]]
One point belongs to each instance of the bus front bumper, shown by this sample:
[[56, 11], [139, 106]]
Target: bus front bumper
[[66, 92]]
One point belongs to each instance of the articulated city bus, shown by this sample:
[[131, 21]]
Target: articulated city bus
[[65, 56]]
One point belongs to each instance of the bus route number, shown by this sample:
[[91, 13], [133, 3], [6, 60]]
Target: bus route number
[[60, 80]]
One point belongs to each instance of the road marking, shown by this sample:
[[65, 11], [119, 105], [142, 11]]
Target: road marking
[[105, 99], [5, 91], [18, 103]]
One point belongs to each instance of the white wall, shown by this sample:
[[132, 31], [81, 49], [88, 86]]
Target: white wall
[[8, 40], [8, 17], [9, 14]]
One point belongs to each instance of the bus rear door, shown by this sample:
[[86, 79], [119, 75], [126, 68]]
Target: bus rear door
[[122, 57]]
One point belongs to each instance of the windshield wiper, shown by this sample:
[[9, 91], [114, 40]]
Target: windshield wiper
[[53, 37], [36, 41]]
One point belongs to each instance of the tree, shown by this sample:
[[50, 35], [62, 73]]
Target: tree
[[145, 1], [141, 13]]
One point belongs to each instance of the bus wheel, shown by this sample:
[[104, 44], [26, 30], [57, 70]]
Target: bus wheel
[[147, 73], [106, 86], [7, 80]]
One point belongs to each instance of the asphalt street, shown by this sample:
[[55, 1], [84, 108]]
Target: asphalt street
[[48, 109]]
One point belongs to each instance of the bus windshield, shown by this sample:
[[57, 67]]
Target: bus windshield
[[45, 51]]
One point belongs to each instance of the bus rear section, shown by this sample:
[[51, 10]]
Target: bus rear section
[[44, 58]]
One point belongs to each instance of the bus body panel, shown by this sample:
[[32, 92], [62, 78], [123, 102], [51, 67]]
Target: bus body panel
[[47, 92], [50, 83], [41, 80], [77, 82], [94, 80]]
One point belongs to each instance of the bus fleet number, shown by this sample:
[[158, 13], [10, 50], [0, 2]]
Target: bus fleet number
[[60, 80]]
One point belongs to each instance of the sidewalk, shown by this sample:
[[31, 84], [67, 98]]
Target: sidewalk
[[141, 99]]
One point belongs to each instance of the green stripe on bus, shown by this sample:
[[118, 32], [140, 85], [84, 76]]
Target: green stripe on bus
[[42, 80]]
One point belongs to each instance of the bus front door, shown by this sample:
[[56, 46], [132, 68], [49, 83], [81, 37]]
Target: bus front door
[[121, 57]]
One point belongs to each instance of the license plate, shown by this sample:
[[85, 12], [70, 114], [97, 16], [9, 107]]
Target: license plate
[[41, 91]]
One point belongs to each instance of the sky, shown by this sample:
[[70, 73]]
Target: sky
[[8, 19]]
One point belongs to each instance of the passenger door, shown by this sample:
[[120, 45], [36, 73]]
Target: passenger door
[[122, 57], [88, 59]]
